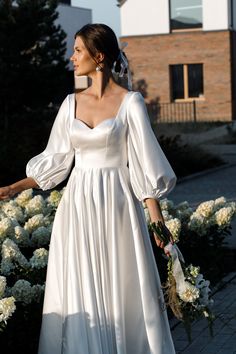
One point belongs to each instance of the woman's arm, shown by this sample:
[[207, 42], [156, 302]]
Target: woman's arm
[[17, 187], [155, 213]]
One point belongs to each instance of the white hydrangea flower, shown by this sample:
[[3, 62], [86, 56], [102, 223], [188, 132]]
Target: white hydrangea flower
[[36, 205], [54, 198], [34, 223], [166, 215], [2, 215], [21, 236], [23, 198], [194, 271], [206, 209], [12, 210], [6, 228], [190, 293], [182, 206], [196, 223], [184, 214], [7, 308], [233, 206], [3, 283], [39, 259], [174, 225], [22, 291], [219, 203], [37, 292], [166, 204], [223, 216], [10, 253], [41, 236]]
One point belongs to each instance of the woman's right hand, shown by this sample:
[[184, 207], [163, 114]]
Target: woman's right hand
[[6, 192]]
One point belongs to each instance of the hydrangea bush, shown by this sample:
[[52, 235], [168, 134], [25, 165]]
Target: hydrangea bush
[[25, 228]]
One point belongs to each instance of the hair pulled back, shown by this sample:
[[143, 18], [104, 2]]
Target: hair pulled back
[[98, 37]]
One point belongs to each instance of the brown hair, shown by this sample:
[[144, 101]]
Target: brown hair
[[98, 37]]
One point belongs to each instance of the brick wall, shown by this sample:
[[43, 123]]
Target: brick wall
[[150, 57]]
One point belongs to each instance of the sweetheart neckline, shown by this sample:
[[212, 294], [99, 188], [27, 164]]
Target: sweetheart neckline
[[87, 126], [115, 117]]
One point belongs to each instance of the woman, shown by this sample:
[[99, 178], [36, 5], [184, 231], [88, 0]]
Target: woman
[[103, 293]]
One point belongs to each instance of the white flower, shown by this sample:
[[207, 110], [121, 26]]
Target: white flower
[[36, 206], [166, 215], [233, 206], [35, 222], [196, 223], [37, 292], [3, 283], [21, 236], [194, 271], [12, 210], [22, 291], [174, 225], [10, 253], [23, 198], [41, 236], [190, 293], [39, 259], [223, 216], [2, 215], [6, 228], [166, 204], [184, 214], [54, 198], [206, 209], [219, 203], [7, 307], [182, 206]]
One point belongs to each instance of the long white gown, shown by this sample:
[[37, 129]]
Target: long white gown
[[103, 292]]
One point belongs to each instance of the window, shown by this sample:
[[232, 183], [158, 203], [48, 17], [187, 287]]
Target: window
[[185, 14], [186, 81]]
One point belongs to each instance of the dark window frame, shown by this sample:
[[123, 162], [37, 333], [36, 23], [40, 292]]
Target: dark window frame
[[190, 28], [186, 96]]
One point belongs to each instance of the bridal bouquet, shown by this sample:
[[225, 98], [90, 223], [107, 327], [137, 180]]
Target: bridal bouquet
[[187, 291]]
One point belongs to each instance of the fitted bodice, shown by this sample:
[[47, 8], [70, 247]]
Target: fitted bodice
[[101, 146]]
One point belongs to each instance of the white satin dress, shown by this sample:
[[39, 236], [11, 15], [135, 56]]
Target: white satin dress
[[103, 292]]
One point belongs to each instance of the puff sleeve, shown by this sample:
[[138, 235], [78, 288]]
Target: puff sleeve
[[151, 175], [53, 165]]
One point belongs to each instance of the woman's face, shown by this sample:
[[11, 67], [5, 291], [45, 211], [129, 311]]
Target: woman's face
[[83, 63]]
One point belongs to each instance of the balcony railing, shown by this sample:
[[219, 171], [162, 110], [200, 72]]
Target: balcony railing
[[172, 112]]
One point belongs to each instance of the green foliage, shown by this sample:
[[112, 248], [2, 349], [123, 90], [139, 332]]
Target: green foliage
[[186, 159], [32, 49]]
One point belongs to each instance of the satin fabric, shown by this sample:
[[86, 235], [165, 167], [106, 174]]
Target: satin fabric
[[103, 292]]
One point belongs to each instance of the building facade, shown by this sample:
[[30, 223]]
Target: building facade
[[182, 52], [71, 19]]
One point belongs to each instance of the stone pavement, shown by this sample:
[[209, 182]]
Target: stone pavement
[[223, 340], [196, 189]]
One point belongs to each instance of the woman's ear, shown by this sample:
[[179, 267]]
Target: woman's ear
[[99, 57]]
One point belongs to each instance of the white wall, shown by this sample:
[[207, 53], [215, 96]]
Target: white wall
[[216, 15], [103, 11], [71, 19], [140, 17]]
